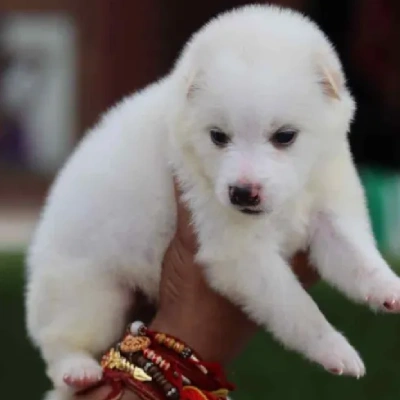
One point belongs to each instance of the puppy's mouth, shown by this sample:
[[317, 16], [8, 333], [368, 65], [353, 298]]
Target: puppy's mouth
[[251, 211]]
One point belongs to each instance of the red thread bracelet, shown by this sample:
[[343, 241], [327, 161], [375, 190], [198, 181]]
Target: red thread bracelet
[[155, 365]]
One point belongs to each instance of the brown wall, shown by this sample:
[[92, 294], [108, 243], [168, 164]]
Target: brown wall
[[123, 45]]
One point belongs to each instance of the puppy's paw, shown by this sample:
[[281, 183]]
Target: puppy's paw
[[82, 374], [77, 371], [337, 356], [383, 293]]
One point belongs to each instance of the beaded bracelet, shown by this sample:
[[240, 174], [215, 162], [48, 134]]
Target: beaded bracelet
[[155, 365], [211, 373]]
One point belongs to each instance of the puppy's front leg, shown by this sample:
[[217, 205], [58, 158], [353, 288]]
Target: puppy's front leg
[[270, 294], [345, 255], [342, 244]]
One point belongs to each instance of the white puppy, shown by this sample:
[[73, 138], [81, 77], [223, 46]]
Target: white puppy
[[253, 121]]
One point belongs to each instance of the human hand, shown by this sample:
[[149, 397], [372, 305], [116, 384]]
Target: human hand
[[192, 311]]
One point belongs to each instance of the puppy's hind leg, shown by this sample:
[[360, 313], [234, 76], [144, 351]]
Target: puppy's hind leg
[[73, 319]]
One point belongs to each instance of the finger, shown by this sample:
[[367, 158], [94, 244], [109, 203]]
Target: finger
[[96, 394], [129, 396], [102, 393], [305, 272]]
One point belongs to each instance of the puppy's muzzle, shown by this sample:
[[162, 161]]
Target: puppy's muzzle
[[246, 196]]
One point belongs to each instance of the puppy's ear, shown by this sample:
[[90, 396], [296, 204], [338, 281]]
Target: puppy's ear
[[192, 90], [330, 77], [331, 82], [193, 84]]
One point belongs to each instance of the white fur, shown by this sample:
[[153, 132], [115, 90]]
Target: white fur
[[111, 212]]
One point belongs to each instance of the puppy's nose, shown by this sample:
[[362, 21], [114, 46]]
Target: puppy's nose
[[244, 196]]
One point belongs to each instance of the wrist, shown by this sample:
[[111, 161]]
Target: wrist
[[152, 365], [218, 334]]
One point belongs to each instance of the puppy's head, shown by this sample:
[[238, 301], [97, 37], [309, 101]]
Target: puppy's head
[[264, 103]]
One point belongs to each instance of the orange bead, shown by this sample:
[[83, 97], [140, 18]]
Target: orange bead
[[176, 346], [181, 347], [160, 337]]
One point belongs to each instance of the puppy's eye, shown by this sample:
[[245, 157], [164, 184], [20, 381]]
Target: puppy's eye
[[219, 138], [284, 138]]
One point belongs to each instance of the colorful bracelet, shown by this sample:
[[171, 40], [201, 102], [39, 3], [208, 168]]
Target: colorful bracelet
[[156, 366]]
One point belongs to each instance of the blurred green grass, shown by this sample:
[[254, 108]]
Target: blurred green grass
[[265, 370]]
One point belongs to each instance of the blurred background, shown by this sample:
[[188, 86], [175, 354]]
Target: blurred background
[[63, 62]]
